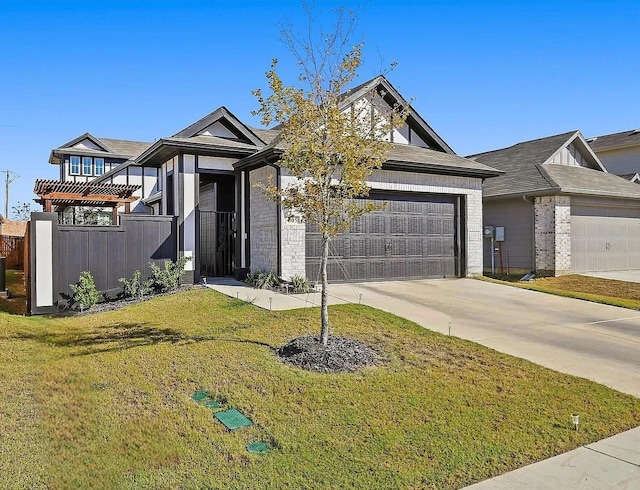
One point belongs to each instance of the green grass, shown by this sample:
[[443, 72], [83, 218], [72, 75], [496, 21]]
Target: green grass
[[104, 401], [17, 301], [605, 291]]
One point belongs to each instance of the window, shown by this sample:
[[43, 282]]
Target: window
[[75, 166], [99, 166], [87, 165]]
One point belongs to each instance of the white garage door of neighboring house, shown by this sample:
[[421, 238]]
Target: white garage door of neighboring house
[[604, 238], [411, 237]]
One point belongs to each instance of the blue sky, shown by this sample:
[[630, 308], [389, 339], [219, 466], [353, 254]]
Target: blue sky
[[483, 74]]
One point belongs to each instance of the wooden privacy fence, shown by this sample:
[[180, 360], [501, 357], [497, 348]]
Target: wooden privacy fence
[[12, 247], [59, 253]]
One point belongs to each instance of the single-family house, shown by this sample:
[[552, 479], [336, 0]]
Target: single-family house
[[559, 208], [619, 152], [207, 174]]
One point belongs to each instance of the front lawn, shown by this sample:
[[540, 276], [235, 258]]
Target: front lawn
[[104, 401], [607, 291]]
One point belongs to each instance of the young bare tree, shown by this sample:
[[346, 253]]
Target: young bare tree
[[329, 148]]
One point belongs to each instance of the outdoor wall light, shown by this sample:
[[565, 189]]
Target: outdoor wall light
[[575, 419]]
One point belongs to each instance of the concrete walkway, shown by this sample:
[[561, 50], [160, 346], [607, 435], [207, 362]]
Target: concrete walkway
[[610, 463], [628, 276], [585, 339]]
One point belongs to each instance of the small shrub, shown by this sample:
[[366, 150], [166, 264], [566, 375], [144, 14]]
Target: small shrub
[[168, 279], [300, 284], [262, 279], [85, 293], [135, 287]]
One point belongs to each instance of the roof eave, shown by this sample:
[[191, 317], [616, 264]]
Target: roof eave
[[432, 168], [177, 146]]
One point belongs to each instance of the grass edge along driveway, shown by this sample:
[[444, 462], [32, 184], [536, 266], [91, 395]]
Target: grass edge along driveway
[[104, 401]]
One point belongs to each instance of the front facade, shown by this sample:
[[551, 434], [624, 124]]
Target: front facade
[[561, 211], [208, 176]]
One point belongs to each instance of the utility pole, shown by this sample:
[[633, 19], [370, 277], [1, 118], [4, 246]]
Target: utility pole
[[9, 177]]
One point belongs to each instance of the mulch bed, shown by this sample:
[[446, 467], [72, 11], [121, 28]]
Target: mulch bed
[[116, 304], [340, 355]]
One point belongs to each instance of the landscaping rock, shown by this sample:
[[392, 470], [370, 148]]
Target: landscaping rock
[[340, 355]]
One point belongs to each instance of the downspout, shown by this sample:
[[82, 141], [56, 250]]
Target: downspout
[[533, 230]]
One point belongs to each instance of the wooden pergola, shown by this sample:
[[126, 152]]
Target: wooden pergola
[[61, 194]]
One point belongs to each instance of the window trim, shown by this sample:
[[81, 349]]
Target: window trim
[[90, 166], [95, 166], [71, 172]]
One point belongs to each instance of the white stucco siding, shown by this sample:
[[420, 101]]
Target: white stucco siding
[[44, 263], [87, 144], [216, 163], [622, 160], [151, 185], [189, 177]]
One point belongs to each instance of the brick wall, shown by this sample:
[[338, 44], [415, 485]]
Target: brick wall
[[553, 234], [263, 220]]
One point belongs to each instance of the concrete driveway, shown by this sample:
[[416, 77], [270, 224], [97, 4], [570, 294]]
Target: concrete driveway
[[594, 341]]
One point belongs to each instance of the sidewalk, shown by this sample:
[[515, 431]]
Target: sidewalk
[[607, 464], [610, 463]]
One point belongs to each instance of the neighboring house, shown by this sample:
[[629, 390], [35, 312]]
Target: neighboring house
[[104, 160], [619, 152], [561, 210], [13, 228], [206, 175]]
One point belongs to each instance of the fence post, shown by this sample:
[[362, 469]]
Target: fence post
[[43, 262], [3, 278]]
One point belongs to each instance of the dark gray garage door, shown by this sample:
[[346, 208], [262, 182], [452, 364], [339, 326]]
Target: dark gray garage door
[[412, 237]]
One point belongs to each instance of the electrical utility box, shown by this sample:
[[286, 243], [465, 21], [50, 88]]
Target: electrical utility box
[[499, 234], [489, 232]]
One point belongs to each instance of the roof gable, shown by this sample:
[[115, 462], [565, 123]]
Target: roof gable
[[223, 124], [87, 141], [576, 152], [423, 134]]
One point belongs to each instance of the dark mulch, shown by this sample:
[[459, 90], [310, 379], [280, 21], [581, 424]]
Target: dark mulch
[[116, 304], [340, 355]]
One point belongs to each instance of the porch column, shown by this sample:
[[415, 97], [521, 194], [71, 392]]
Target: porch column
[[187, 209]]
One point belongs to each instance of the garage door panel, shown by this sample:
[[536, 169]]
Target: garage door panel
[[405, 239], [604, 238]]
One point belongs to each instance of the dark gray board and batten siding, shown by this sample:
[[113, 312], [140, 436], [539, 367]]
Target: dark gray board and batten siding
[[108, 252]]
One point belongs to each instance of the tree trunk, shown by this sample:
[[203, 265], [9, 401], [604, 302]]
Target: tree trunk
[[324, 308]]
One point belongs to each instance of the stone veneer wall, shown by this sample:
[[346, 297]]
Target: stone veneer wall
[[292, 246], [263, 219], [553, 235]]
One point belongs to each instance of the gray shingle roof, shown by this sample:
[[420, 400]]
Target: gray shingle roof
[[266, 135], [580, 180], [521, 163], [126, 147], [526, 173], [435, 159], [615, 140], [415, 157]]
